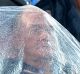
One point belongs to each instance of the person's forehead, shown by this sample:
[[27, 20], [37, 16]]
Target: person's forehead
[[38, 26], [33, 19]]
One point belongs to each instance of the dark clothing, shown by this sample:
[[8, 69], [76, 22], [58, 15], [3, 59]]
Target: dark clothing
[[64, 11], [29, 68]]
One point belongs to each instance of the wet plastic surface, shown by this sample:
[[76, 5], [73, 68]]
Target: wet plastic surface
[[32, 42]]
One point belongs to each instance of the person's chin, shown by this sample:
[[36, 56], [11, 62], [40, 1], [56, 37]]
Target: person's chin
[[41, 62]]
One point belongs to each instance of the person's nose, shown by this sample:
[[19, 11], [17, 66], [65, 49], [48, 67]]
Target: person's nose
[[44, 36]]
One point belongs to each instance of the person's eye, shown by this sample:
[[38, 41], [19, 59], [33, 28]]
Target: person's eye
[[36, 30]]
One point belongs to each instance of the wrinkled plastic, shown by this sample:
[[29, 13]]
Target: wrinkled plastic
[[33, 42]]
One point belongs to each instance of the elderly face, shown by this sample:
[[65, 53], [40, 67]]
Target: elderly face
[[36, 50]]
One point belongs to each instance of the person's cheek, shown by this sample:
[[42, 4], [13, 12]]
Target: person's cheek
[[30, 42]]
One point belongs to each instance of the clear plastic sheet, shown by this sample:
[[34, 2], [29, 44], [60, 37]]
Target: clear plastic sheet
[[33, 42]]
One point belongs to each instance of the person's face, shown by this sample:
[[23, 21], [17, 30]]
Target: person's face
[[36, 50]]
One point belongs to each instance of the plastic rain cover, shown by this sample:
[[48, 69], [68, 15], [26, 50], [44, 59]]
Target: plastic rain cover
[[32, 42]]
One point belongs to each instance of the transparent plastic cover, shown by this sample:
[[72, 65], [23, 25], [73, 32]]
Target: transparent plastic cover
[[33, 42]]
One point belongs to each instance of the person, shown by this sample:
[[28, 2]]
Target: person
[[36, 50], [38, 53], [25, 40], [32, 41]]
